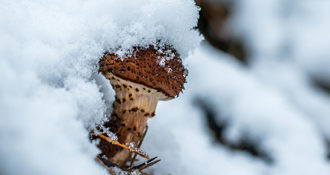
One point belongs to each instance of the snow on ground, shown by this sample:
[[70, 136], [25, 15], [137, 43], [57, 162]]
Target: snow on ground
[[253, 109], [52, 95], [289, 42], [273, 101]]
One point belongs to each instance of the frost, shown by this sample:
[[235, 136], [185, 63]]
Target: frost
[[118, 171], [169, 70], [162, 62]]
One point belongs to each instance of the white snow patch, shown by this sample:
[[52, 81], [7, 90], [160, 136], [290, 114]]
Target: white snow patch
[[253, 109], [52, 94]]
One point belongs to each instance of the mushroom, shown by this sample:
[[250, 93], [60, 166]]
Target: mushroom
[[139, 81]]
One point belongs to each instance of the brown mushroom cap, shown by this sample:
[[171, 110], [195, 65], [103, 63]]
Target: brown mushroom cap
[[149, 67]]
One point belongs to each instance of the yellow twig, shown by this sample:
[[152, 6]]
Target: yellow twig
[[115, 142]]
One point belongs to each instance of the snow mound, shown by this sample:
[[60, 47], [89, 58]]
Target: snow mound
[[51, 93], [253, 111]]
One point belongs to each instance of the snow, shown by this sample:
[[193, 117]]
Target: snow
[[51, 94], [271, 102], [297, 52], [253, 109]]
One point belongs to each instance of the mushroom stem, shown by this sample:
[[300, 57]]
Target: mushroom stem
[[134, 104]]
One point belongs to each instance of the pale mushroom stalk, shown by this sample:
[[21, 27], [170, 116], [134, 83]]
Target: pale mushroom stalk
[[139, 83]]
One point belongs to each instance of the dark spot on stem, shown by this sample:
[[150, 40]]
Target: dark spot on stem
[[118, 100], [134, 109]]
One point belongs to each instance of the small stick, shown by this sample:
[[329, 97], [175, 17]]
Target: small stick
[[144, 165], [149, 165], [134, 157], [115, 142], [105, 166]]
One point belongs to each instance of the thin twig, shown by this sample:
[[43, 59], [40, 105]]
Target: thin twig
[[115, 142], [140, 143], [105, 166], [144, 165]]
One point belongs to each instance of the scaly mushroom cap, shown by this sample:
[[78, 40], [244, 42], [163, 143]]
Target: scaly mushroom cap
[[148, 67]]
